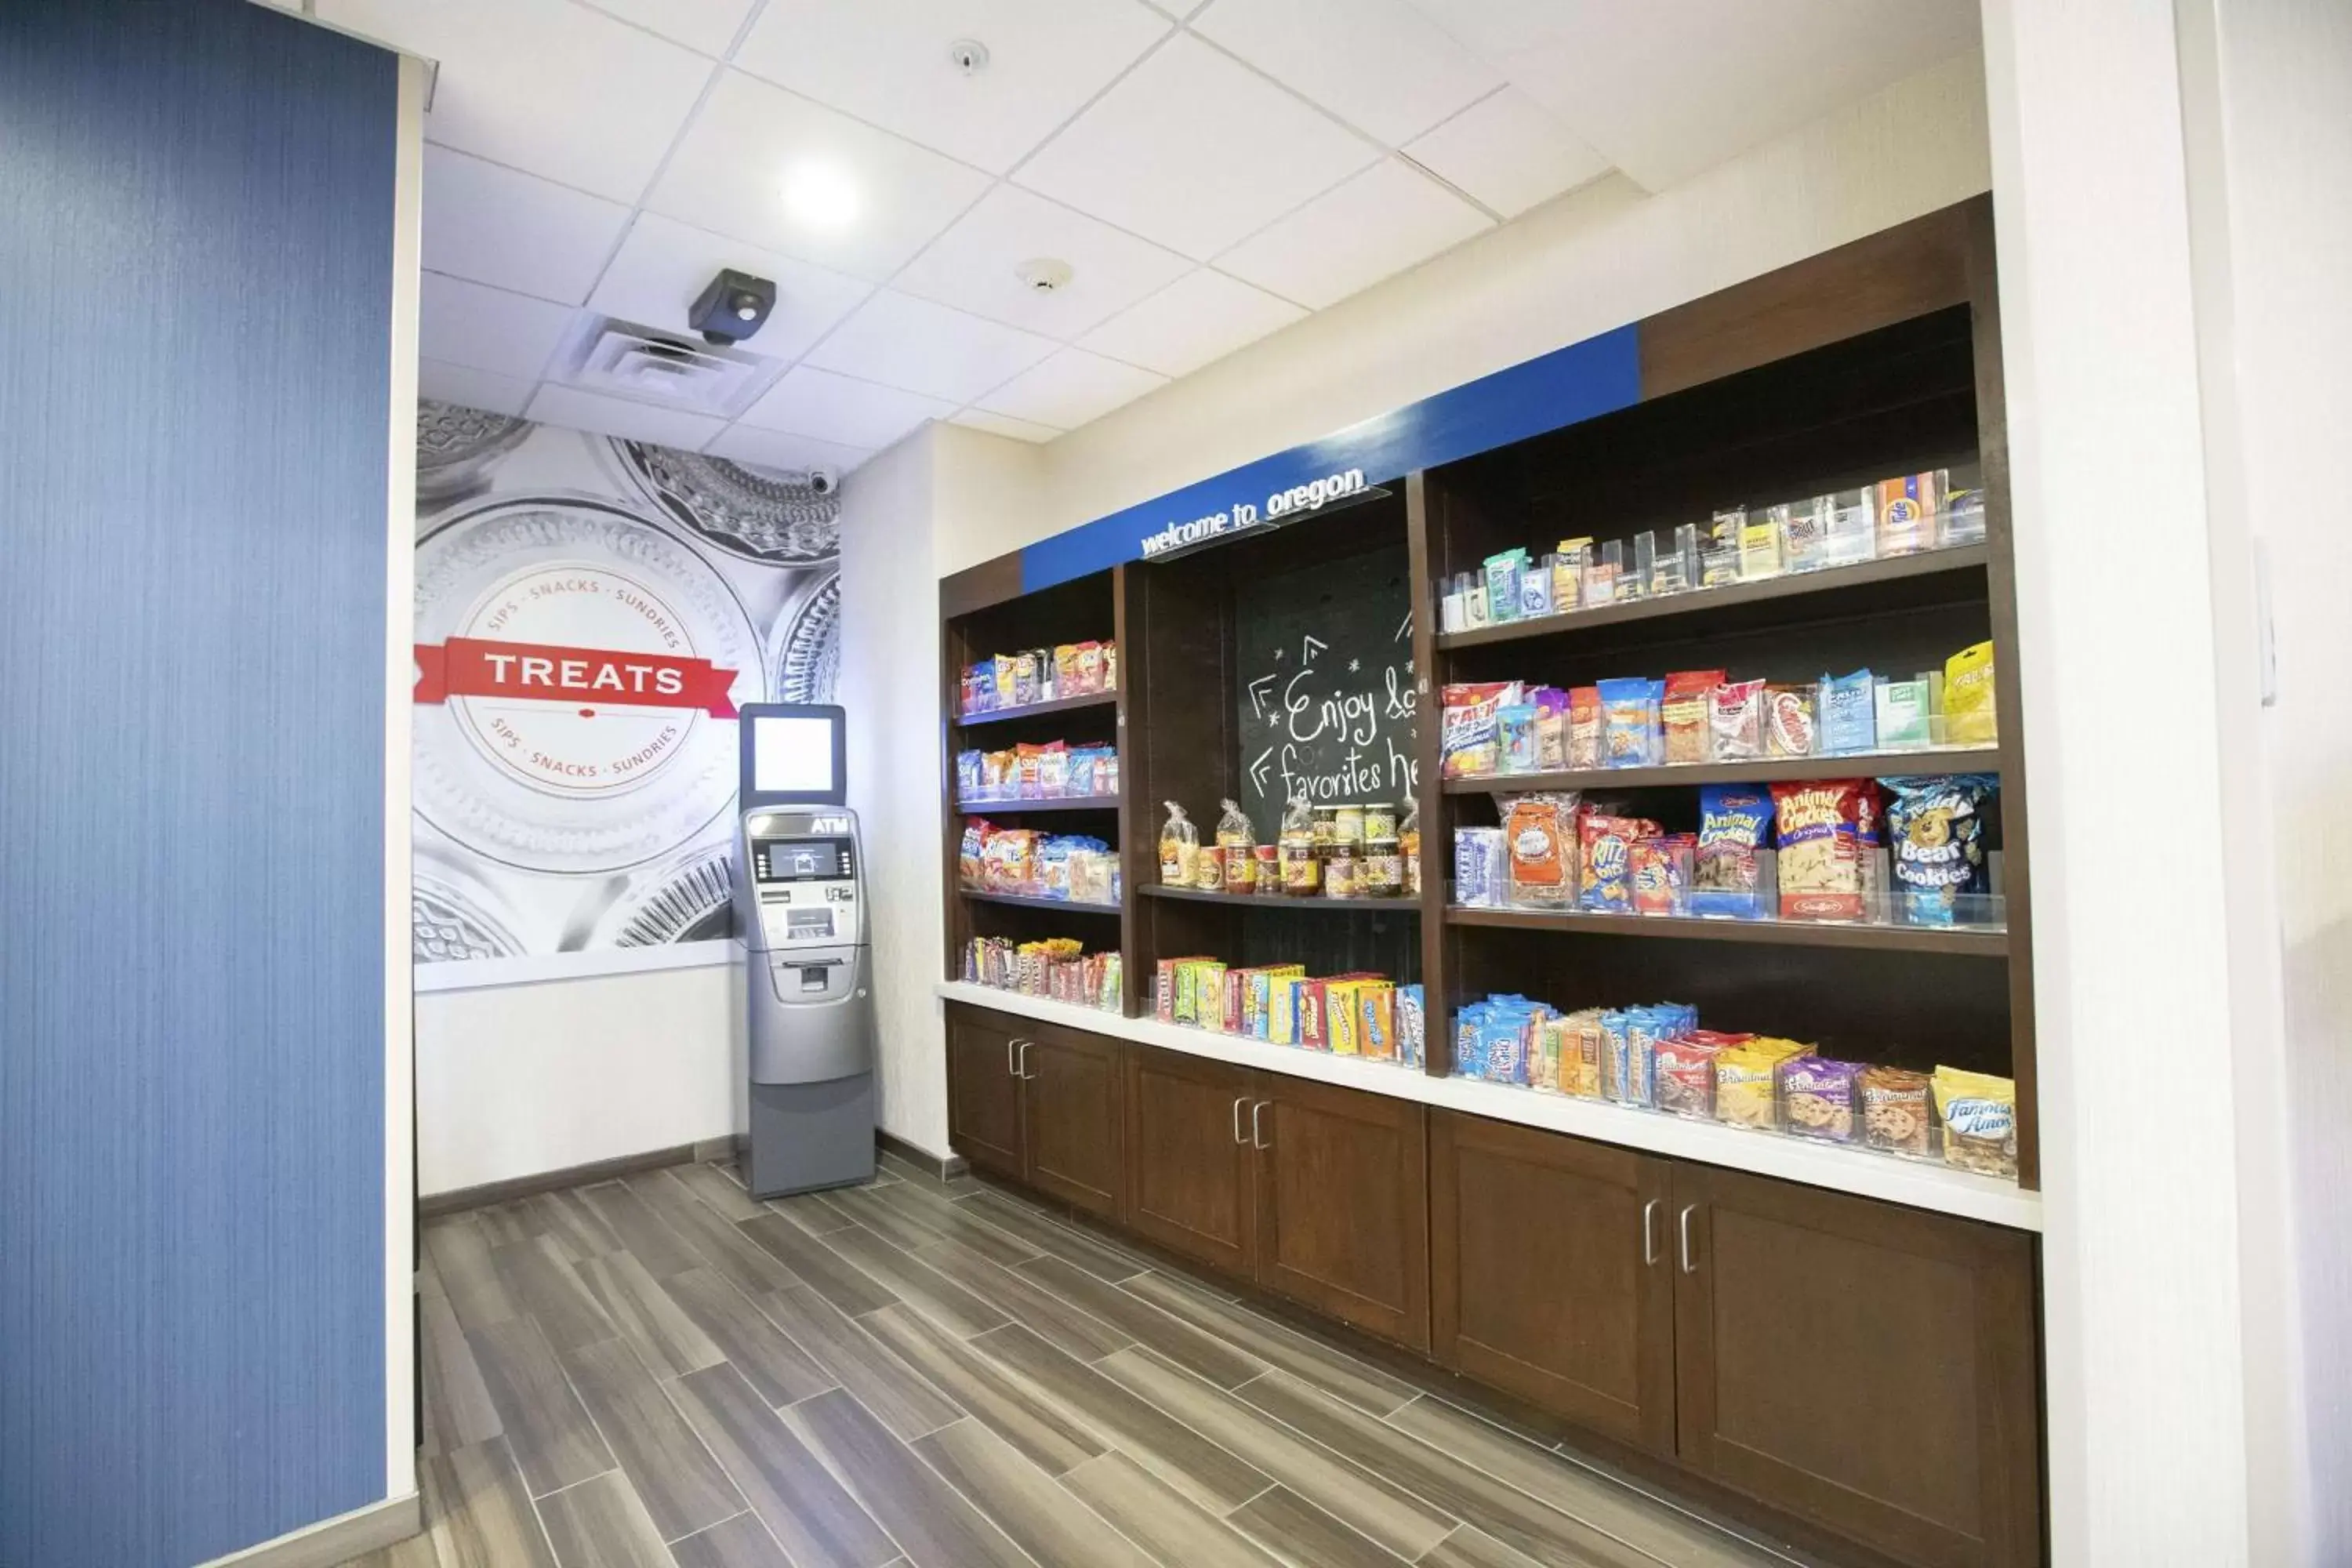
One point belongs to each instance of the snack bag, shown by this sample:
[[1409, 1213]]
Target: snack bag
[[1515, 726], [1662, 875], [971, 854], [1822, 832], [1087, 667], [1759, 546], [1727, 873], [1584, 728], [968, 776], [1008, 686], [1895, 1117], [1804, 533], [1685, 1077], [1788, 721], [1979, 1117], [1551, 728], [1470, 731], [1053, 770], [1745, 1082], [1065, 669], [1818, 1097], [1605, 858], [1736, 721], [1686, 712], [1026, 679], [1502, 574], [1237, 832], [1906, 716], [1628, 712], [1180, 848], [1849, 725], [1937, 826], [1542, 851], [1968, 716]]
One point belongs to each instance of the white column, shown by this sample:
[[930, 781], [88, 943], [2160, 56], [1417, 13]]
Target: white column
[[2118, 647]]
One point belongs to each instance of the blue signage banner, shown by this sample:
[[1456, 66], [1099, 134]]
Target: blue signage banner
[[1583, 381]]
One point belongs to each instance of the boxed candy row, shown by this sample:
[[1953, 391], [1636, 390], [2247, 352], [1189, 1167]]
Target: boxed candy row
[[1053, 770], [1039, 674], [1807, 850], [1658, 1059], [1058, 969], [1500, 728], [1066, 865], [1360, 1014], [1901, 516]]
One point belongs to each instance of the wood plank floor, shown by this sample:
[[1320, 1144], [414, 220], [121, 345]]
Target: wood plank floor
[[664, 1371]]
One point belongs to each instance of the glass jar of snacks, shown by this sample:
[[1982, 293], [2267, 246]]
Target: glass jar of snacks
[[1209, 869], [1326, 833], [1348, 826], [1380, 821], [1268, 871], [1339, 874], [1301, 869], [1382, 870]]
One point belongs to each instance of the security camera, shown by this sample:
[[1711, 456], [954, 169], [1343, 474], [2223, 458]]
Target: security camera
[[823, 481], [733, 307]]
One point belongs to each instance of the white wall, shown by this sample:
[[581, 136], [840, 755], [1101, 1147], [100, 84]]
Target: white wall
[[516, 1080], [890, 685]]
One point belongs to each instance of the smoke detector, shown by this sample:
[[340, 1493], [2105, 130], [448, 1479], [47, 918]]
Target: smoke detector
[[968, 55], [1043, 274]]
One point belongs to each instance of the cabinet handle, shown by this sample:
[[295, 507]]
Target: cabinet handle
[[1011, 1046], [1255, 1141], [1239, 1100], [1020, 1067], [1682, 1225], [1650, 1234]]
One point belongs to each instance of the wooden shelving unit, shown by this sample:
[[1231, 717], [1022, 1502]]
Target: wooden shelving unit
[[1285, 905], [1971, 941], [1030, 901], [1037, 710], [1032, 807], [1764, 770]]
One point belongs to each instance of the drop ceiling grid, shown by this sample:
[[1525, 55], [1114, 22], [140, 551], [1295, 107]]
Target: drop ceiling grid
[[1061, 368]]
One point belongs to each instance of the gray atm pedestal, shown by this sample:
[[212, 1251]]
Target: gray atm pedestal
[[807, 973]]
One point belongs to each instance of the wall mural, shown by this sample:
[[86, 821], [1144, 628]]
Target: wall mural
[[590, 613]]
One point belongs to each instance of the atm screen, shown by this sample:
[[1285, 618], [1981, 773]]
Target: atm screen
[[792, 755], [802, 860]]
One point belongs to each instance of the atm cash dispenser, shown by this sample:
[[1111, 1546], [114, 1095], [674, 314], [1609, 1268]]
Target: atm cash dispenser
[[801, 939]]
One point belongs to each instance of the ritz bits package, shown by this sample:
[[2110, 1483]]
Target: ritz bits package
[[1606, 855], [1827, 829], [1979, 1116], [1540, 830]]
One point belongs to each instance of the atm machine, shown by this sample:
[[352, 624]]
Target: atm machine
[[800, 936]]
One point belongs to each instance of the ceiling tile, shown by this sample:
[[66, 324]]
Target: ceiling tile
[[1506, 151], [705, 27], [447, 382], [900, 340], [1193, 149], [973, 266], [1380, 64], [574, 409], [543, 85], [1004, 424], [1203, 316], [664, 265], [487, 329], [727, 174], [1071, 388], [811, 402], [1381, 222], [777, 449], [887, 61], [1668, 88], [494, 224]]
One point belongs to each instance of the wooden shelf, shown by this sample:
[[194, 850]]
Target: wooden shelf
[[1025, 808], [1026, 902], [1974, 941], [1268, 901], [1827, 583], [1059, 705], [1767, 770]]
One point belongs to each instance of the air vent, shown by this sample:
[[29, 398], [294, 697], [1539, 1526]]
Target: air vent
[[629, 361]]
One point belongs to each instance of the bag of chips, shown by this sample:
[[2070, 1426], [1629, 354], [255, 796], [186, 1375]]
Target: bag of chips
[[1937, 828], [1727, 871]]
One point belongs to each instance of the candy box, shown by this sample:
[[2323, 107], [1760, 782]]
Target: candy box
[[1413, 1025], [1379, 1038]]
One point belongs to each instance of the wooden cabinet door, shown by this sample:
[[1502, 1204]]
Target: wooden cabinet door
[[1867, 1366], [1552, 1274], [983, 1097], [1188, 1175], [1343, 1205], [1074, 1136]]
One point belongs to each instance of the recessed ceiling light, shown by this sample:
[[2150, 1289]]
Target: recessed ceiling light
[[821, 195]]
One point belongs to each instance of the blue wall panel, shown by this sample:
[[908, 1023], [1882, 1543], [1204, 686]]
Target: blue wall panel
[[195, 254], [1569, 385]]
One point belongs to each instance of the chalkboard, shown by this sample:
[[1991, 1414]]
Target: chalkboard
[[1326, 692]]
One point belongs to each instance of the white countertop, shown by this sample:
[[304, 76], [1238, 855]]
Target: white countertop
[[1918, 1183]]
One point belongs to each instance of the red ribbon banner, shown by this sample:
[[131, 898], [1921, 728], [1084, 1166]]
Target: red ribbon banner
[[535, 672]]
